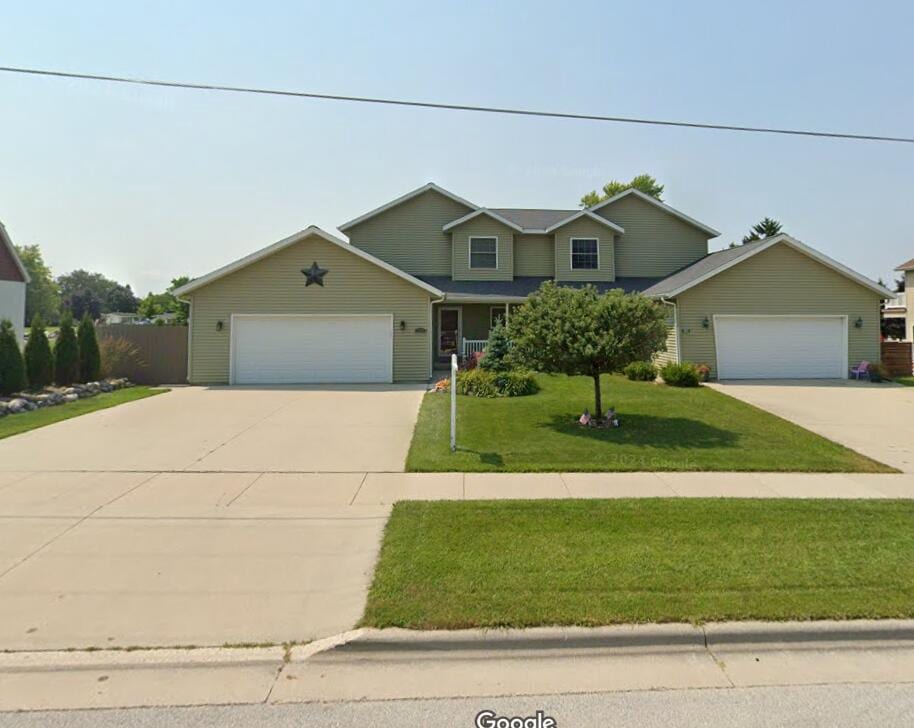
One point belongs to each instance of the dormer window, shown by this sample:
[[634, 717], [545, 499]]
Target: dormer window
[[585, 254], [484, 253]]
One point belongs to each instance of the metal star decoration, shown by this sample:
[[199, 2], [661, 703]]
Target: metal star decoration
[[314, 274]]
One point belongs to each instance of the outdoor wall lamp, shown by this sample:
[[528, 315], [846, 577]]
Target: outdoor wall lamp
[[219, 326], [402, 326], [705, 323], [858, 323]]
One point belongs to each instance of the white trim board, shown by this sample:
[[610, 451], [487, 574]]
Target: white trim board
[[403, 198], [470, 240], [482, 211], [291, 240], [571, 267], [661, 205]]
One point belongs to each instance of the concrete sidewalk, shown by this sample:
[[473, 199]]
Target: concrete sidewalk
[[398, 664]]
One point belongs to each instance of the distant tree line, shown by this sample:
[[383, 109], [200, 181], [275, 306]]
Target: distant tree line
[[82, 293]]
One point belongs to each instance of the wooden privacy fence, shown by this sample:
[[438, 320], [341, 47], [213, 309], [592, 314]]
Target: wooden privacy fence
[[896, 357], [161, 349]]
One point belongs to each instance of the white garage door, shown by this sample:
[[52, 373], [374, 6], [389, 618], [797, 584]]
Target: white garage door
[[312, 349], [781, 347]]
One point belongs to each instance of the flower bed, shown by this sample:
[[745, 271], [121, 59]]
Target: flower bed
[[52, 396]]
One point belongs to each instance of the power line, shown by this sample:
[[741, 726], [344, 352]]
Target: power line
[[455, 107]]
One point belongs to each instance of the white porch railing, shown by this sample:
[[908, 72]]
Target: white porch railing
[[897, 302], [471, 346]]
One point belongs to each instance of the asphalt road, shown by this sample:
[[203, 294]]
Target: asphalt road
[[831, 706]]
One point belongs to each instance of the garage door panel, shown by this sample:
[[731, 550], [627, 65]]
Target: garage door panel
[[781, 347], [312, 349]]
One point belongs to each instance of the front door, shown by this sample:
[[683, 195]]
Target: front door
[[448, 331]]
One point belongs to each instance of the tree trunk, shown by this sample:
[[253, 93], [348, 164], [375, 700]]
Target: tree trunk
[[597, 397]]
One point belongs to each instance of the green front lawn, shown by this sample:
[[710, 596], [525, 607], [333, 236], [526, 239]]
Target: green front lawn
[[663, 428], [450, 565], [906, 381], [16, 424]]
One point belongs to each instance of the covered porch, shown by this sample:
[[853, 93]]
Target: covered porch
[[462, 327]]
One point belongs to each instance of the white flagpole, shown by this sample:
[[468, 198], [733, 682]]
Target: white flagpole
[[453, 402]]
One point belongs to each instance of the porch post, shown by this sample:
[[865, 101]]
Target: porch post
[[507, 308]]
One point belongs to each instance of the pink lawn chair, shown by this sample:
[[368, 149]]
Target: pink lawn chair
[[861, 370]]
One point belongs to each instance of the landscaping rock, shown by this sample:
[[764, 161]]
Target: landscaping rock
[[70, 397], [15, 406]]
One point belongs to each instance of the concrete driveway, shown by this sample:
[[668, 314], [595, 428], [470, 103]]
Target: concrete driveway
[[254, 429], [874, 419], [130, 559]]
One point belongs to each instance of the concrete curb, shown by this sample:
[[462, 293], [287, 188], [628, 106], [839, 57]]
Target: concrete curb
[[647, 638]]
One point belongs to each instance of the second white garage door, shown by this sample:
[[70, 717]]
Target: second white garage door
[[344, 349], [781, 347]]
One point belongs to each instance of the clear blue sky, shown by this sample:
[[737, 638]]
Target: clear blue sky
[[147, 184]]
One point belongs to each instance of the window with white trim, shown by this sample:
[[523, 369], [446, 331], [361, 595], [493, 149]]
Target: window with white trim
[[585, 254], [483, 253]]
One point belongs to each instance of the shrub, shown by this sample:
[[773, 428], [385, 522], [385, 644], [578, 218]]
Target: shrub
[[516, 383], [66, 353], [680, 375], [486, 383], [878, 372], [641, 371], [39, 362], [119, 358], [495, 358], [12, 368], [471, 362], [90, 363], [704, 372]]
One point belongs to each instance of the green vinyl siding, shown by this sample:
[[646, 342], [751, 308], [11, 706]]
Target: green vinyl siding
[[409, 235], [275, 285], [534, 255], [655, 243], [779, 280], [482, 226], [584, 228]]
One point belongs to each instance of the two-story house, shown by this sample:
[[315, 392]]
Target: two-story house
[[427, 275]]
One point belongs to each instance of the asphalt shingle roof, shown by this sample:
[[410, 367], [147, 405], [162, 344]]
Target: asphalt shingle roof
[[906, 266], [699, 268], [525, 285]]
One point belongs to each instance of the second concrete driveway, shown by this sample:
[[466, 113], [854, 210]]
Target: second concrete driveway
[[876, 420], [301, 429]]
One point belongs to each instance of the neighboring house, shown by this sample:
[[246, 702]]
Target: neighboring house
[[120, 317], [13, 280], [896, 307], [427, 275]]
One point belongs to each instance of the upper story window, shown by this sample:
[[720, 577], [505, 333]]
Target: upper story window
[[585, 254], [484, 253]]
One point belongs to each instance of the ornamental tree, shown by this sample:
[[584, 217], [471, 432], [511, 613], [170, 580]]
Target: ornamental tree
[[12, 368], [66, 353], [39, 362], [578, 331], [496, 354], [89, 357]]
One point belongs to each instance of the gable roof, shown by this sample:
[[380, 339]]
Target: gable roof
[[657, 203], [555, 225], [431, 186], [298, 237], [8, 244], [532, 219], [719, 261], [483, 211], [906, 266]]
